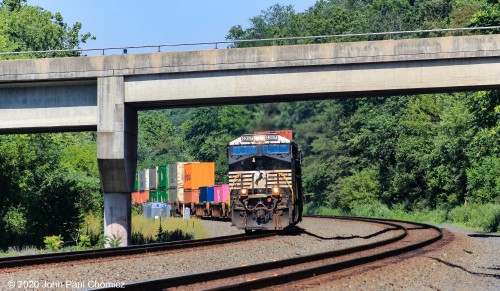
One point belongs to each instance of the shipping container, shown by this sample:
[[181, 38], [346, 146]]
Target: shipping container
[[136, 181], [143, 196], [175, 195], [221, 193], [144, 180], [153, 178], [162, 176], [135, 197], [163, 195], [288, 134], [155, 196], [176, 175], [140, 197], [207, 194], [191, 195], [199, 174]]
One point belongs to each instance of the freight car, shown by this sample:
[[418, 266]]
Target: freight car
[[265, 179]]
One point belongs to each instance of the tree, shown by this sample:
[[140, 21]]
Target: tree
[[47, 182], [32, 28], [158, 141]]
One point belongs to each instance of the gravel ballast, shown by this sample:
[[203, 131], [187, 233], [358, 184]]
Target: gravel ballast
[[174, 263], [459, 262]]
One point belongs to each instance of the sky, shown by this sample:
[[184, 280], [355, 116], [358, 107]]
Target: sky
[[151, 22]]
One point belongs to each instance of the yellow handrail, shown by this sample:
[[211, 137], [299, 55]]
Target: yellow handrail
[[289, 186], [231, 189]]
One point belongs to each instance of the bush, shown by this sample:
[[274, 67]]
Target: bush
[[53, 242], [84, 241], [485, 217], [308, 210], [460, 214], [375, 209]]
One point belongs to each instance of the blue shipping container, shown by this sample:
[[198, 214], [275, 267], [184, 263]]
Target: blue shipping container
[[207, 194]]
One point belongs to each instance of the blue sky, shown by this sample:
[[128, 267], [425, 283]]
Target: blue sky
[[151, 22]]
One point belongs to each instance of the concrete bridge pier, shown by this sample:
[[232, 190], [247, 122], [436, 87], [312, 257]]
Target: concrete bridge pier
[[116, 158]]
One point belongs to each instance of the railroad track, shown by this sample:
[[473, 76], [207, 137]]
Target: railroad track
[[30, 260], [411, 236]]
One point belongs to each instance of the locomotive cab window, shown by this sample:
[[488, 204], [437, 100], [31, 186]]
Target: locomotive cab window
[[275, 149], [243, 150]]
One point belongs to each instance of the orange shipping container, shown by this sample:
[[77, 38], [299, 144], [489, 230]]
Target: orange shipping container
[[144, 196], [135, 197], [199, 174], [191, 196], [140, 197]]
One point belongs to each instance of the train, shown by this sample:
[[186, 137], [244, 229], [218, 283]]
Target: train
[[264, 190], [266, 181]]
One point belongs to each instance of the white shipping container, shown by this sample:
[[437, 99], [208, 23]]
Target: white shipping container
[[176, 175], [175, 195], [153, 178], [146, 179], [143, 180]]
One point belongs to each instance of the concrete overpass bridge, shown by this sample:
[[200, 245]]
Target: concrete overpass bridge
[[103, 93]]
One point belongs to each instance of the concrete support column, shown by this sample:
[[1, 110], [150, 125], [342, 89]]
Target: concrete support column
[[116, 157]]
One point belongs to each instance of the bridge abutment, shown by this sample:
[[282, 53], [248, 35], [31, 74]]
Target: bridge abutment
[[116, 157]]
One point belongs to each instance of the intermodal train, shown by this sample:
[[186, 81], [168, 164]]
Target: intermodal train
[[265, 179], [264, 190]]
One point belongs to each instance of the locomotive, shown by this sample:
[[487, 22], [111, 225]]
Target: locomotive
[[265, 181]]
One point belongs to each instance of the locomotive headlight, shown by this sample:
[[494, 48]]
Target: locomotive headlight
[[259, 138], [243, 191]]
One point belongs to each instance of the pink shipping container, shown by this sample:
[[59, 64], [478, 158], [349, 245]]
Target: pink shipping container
[[221, 193]]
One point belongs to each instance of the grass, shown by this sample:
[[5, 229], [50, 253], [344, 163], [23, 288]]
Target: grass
[[483, 217], [145, 230]]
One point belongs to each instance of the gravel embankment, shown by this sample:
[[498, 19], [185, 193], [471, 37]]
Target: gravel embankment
[[458, 262], [174, 263]]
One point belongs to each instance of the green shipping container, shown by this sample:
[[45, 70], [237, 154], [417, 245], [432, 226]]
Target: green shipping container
[[163, 177], [163, 195], [154, 196], [136, 182]]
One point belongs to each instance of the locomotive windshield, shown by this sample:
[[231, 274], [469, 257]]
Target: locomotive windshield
[[275, 149], [266, 149], [244, 150]]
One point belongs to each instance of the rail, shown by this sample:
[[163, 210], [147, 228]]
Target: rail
[[216, 44], [276, 279], [30, 260]]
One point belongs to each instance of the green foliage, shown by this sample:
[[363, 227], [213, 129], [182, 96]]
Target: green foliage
[[53, 242], [158, 141], [15, 220], [359, 188], [114, 241], [32, 28], [84, 241], [488, 16], [375, 209], [485, 217]]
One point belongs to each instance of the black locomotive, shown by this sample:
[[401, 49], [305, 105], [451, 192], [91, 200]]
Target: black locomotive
[[265, 181]]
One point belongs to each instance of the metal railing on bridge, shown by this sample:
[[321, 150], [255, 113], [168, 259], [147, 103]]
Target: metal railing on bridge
[[269, 41]]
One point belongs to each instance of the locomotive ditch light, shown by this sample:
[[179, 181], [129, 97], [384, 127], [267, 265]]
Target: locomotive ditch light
[[276, 190], [243, 192]]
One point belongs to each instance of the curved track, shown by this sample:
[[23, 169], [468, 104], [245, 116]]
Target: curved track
[[411, 237], [30, 260]]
